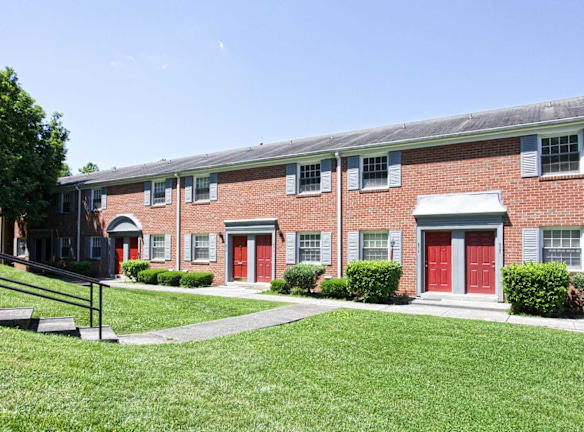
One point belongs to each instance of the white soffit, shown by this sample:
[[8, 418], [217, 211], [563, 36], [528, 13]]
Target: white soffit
[[482, 203]]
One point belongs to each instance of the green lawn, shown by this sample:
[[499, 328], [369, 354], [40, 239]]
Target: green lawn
[[341, 371], [129, 311]]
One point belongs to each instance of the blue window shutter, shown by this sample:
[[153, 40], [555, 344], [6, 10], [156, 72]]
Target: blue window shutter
[[87, 243], [326, 184], [394, 169], [167, 247], [326, 255], [291, 248], [147, 186], [213, 247], [88, 201], [189, 189], [168, 191], [531, 246], [213, 187], [291, 179], [395, 240], [529, 156], [103, 247], [146, 251], [187, 246], [104, 198], [353, 246], [353, 173]]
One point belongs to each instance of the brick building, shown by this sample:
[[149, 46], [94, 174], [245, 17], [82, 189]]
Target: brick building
[[452, 199]]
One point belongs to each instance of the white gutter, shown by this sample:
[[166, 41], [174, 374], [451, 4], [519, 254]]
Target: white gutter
[[78, 223], [339, 217], [177, 220]]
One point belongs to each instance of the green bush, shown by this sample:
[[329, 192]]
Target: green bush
[[196, 280], [303, 276], [577, 297], [374, 281], [150, 277], [279, 286], [81, 267], [170, 278], [52, 263], [336, 287], [131, 268], [538, 289]]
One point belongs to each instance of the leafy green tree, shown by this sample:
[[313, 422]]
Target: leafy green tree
[[65, 170], [89, 168], [32, 152]]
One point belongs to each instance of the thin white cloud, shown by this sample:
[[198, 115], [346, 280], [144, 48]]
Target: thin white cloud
[[131, 58], [113, 64], [221, 46], [164, 67]]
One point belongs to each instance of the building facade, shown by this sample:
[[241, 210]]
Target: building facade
[[453, 200]]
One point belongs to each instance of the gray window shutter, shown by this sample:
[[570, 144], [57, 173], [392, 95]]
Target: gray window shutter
[[87, 243], [72, 248], [353, 173], [394, 169], [353, 246], [167, 247], [395, 240], [213, 247], [187, 245], [88, 201], [103, 247], [291, 179], [326, 184], [213, 187], [326, 254], [146, 252], [189, 189], [529, 156], [15, 247], [531, 249], [147, 186], [104, 198], [291, 248], [168, 191], [73, 195]]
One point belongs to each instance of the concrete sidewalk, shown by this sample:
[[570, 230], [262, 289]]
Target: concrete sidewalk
[[474, 310]]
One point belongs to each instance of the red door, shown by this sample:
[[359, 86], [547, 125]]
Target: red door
[[438, 262], [239, 258], [133, 248], [119, 254], [480, 262], [263, 258]]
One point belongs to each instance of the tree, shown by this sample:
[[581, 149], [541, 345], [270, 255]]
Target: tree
[[89, 168], [32, 152], [65, 170]]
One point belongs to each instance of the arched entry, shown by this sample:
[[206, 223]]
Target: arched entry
[[124, 238]]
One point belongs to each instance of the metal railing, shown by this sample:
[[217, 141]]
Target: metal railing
[[83, 302]]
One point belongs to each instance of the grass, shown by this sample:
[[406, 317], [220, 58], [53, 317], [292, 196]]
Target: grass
[[340, 371], [129, 310]]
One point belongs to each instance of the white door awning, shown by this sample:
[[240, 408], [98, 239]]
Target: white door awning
[[462, 204]]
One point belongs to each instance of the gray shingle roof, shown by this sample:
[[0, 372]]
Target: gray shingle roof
[[481, 122]]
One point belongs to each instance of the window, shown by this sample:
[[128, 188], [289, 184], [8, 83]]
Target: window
[[66, 205], [309, 248], [202, 189], [158, 247], [201, 247], [21, 247], [96, 199], [375, 246], [563, 245], [95, 247], [560, 154], [66, 247], [374, 172], [309, 178], [158, 192]]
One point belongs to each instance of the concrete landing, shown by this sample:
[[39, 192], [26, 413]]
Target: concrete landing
[[16, 317], [61, 325]]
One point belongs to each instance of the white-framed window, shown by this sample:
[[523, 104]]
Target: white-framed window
[[200, 247], [96, 199], [66, 202], [560, 153], [158, 192], [95, 248], [563, 245], [157, 247], [309, 248], [309, 178], [202, 188], [374, 172], [21, 249], [66, 245], [375, 245]]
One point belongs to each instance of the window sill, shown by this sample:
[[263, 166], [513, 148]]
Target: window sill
[[566, 176], [205, 263], [158, 261], [308, 194], [158, 205], [94, 259], [205, 202], [374, 190]]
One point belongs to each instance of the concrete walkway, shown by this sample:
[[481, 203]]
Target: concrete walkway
[[474, 310]]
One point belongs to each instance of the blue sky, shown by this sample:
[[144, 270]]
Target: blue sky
[[138, 81]]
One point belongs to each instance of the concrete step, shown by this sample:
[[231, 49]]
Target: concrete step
[[459, 297], [16, 317], [92, 334], [249, 285], [59, 325], [466, 304]]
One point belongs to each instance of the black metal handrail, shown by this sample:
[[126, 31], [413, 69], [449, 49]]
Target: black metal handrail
[[60, 272]]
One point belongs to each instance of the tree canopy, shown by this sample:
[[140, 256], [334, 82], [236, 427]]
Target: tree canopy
[[89, 168], [32, 152]]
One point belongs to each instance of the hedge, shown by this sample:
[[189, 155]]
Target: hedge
[[303, 277], [336, 287], [279, 286], [150, 277], [373, 281], [131, 268], [170, 278], [81, 267], [196, 280]]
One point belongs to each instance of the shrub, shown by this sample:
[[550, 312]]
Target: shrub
[[303, 276], [279, 286], [538, 289], [131, 268], [81, 267], [150, 277], [170, 278], [373, 281], [196, 280], [52, 263], [577, 295], [336, 287]]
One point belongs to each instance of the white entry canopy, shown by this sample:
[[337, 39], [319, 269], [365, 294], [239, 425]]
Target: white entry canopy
[[462, 204]]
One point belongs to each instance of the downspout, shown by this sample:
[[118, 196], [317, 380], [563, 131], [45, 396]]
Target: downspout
[[177, 175], [78, 223], [339, 217]]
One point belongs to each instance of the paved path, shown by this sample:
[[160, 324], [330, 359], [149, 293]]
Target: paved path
[[475, 310]]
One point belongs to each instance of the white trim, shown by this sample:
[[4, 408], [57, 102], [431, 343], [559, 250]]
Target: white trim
[[563, 228], [361, 242], [193, 248], [158, 259], [62, 201], [560, 133], [195, 188], [61, 247], [91, 247], [152, 189], [298, 234], [313, 162], [92, 208], [361, 172]]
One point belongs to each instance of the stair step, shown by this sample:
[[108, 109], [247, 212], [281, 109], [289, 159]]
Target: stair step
[[59, 325], [92, 334], [16, 317]]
